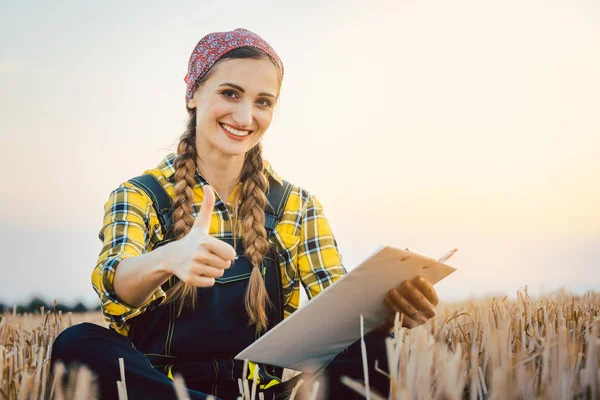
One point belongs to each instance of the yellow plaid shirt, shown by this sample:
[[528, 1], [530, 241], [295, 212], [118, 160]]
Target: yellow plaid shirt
[[303, 239]]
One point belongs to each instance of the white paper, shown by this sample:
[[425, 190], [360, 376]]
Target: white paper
[[330, 322]]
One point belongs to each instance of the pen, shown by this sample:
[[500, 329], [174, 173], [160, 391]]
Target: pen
[[447, 256]]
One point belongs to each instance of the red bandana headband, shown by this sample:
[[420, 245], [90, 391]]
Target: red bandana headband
[[213, 46]]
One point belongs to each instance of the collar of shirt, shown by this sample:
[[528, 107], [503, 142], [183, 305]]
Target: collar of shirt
[[168, 169]]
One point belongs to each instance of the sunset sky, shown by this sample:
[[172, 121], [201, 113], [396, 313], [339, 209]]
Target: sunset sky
[[419, 124]]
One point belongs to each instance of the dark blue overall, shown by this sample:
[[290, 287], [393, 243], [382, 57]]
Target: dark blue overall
[[200, 344]]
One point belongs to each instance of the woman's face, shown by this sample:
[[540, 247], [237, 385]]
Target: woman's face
[[234, 105]]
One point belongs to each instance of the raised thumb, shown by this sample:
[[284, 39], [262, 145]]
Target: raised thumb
[[204, 216]]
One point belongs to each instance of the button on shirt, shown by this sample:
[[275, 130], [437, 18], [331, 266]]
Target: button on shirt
[[302, 238]]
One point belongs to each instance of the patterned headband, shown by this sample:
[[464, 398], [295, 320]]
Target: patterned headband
[[213, 46]]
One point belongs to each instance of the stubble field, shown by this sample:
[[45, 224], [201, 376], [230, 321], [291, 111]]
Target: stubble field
[[547, 348]]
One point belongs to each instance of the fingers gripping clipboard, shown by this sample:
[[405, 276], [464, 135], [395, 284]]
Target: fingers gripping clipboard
[[330, 322]]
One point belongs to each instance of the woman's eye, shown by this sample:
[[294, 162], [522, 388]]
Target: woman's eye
[[265, 102], [230, 94]]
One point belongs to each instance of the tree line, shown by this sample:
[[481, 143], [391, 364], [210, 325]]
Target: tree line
[[35, 305]]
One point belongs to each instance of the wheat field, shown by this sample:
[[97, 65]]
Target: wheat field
[[543, 348]]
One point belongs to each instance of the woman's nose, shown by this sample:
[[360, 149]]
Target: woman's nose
[[242, 116]]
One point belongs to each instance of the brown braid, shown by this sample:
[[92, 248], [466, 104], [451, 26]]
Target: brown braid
[[253, 201], [185, 170]]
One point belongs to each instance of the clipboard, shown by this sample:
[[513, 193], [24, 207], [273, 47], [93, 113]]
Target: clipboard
[[330, 322]]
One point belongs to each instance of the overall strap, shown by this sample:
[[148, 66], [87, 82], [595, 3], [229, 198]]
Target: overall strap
[[160, 199], [277, 197]]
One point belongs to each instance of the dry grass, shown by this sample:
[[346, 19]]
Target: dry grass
[[489, 349]]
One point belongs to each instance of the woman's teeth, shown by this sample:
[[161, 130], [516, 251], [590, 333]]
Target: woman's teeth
[[235, 131]]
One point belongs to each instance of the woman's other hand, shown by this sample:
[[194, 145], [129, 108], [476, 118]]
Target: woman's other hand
[[198, 258], [415, 298]]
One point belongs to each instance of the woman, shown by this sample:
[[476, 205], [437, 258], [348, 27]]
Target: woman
[[206, 252]]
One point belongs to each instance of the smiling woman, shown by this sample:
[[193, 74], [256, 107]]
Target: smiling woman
[[206, 252]]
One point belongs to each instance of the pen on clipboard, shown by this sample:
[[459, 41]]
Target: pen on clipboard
[[447, 256]]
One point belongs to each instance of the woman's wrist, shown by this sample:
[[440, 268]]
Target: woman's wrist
[[165, 259]]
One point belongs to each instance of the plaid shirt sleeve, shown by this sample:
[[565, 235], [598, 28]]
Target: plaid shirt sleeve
[[319, 261], [129, 219]]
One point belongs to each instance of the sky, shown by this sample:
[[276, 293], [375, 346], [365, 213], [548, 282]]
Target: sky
[[425, 125]]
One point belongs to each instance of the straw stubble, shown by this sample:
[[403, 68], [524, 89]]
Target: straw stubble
[[494, 349]]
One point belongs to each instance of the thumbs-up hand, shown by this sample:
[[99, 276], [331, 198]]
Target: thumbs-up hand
[[198, 258]]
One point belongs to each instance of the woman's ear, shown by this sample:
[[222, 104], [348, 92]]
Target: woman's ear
[[192, 102]]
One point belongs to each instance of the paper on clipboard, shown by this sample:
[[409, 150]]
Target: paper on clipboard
[[330, 322]]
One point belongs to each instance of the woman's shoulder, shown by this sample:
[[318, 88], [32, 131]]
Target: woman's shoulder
[[164, 172], [298, 199], [301, 206]]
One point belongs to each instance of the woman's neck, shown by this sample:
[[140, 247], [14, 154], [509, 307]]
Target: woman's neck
[[221, 171]]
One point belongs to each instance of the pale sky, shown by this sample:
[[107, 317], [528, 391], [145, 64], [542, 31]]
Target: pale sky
[[471, 124]]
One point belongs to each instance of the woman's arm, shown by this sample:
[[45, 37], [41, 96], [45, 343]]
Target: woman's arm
[[129, 275], [196, 259], [138, 278], [319, 261], [129, 223]]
